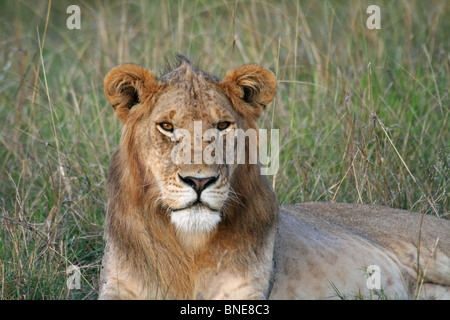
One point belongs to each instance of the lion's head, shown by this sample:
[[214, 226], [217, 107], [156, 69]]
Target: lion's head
[[194, 109]]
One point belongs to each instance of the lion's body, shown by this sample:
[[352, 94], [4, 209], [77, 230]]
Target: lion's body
[[214, 231], [323, 250]]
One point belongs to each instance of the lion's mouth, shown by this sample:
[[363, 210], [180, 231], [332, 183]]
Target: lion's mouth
[[196, 218], [194, 205]]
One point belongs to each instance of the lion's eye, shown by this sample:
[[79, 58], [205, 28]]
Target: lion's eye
[[166, 126], [223, 125]]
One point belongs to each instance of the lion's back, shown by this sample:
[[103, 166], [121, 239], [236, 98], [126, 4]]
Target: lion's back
[[380, 224], [324, 249]]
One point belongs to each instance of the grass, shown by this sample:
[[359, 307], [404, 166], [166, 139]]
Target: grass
[[362, 114]]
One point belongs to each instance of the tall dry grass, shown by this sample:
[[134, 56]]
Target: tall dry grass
[[363, 114]]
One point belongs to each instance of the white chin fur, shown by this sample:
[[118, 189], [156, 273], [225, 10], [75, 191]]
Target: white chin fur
[[196, 219]]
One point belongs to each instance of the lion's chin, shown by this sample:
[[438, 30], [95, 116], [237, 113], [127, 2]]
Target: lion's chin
[[197, 219], [195, 225]]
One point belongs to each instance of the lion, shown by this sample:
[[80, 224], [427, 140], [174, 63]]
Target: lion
[[197, 230]]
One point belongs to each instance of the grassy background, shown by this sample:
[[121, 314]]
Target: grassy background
[[363, 114]]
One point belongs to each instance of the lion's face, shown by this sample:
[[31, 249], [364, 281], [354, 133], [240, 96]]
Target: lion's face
[[194, 192], [180, 127]]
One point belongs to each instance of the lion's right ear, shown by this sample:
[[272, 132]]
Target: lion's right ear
[[128, 85]]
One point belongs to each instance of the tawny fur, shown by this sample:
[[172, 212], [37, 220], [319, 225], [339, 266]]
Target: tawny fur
[[257, 250]]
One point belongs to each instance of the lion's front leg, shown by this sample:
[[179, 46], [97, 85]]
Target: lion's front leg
[[119, 280], [115, 288], [232, 286]]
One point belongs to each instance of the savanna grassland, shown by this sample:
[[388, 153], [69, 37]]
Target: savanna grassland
[[362, 114]]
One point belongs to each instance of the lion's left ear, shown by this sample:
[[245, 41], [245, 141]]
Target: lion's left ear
[[251, 86]]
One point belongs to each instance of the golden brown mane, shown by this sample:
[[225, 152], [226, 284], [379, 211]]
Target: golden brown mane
[[142, 221], [147, 234]]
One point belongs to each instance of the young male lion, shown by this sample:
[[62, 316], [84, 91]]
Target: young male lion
[[197, 230]]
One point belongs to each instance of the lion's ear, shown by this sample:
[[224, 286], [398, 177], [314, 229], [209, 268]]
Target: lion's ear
[[128, 85], [253, 85]]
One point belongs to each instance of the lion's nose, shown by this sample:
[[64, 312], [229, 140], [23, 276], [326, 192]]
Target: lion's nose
[[198, 184]]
